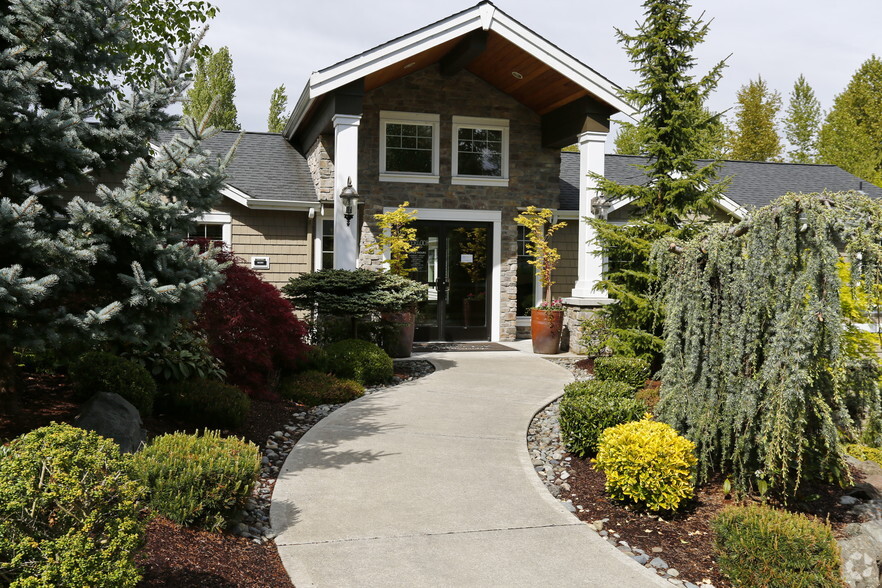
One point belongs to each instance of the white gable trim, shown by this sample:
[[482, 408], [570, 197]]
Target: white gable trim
[[240, 197], [723, 202], [484, 16]]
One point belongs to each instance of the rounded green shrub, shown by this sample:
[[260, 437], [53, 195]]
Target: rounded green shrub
[[648, 463], [606, 388], [362, 361], [198, 479], [313, 388], [207, 403], [631, 370], [864, 453], [68, 511], [98, 371], [758, 546], [583, 418]]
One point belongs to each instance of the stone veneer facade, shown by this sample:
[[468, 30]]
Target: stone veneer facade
[[534, 170]]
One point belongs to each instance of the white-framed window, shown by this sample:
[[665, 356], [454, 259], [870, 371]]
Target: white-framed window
[[409, 147], [480, 151], [214, 226]]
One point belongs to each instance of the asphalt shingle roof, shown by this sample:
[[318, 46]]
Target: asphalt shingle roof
[[753, 183], [265, 166]]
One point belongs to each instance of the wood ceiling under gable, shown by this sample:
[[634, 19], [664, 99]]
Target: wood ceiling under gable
[[541, 89]]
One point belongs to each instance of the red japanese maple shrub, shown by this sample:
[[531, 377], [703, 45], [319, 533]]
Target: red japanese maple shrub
[[252, 330]]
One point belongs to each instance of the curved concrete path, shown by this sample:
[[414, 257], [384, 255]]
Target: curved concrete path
[[430, 483]]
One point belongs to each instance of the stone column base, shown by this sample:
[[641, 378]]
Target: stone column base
[[576, 311]]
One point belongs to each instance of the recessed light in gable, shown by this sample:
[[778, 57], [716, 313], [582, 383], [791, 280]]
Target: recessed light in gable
[[517, 75]]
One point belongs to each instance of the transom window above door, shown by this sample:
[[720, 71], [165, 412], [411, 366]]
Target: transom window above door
[[409, 147], [480, 151]]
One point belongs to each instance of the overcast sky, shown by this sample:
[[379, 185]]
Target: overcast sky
[[278, 41]]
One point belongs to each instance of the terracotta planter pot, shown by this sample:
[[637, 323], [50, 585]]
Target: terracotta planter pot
[[546, 327], [399, 342]]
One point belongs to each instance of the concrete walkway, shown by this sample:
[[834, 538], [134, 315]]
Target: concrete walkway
[[429, 483]]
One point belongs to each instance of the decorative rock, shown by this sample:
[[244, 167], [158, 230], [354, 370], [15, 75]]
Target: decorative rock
[[848, 500], [641, 558], [864, 491], [658, 563], [673, 572], [112, 416], [569, 506], [657, 549]]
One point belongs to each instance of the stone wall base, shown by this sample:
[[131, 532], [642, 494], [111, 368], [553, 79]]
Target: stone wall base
[[576, 311]]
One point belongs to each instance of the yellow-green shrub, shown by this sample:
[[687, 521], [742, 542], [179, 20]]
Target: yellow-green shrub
[[760, 547], [69, 511], [864, 453], [647, 462], [198, 479]]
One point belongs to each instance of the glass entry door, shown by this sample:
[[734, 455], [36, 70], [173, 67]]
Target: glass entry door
[[454, 261]]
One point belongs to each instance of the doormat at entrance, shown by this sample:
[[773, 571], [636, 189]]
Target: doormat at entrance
[[446, 346]]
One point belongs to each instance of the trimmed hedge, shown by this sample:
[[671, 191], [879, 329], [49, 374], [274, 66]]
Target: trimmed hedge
[[622, 369], [207, 403], [362, 361], [313, 388], [198, 479], [760, 547], [98, 371], [648, 463], [583, 419], [605, 388], [68, 511]]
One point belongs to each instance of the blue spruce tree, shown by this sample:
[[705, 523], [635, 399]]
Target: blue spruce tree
[[111, 265]]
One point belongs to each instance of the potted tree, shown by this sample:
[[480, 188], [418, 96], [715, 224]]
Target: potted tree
[[546, 318], [397, 239]]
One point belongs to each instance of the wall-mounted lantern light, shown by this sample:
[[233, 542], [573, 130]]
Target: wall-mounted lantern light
[[349, 198]]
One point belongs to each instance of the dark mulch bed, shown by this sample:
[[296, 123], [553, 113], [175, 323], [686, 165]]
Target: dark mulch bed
[[46, 398], [684, 538]]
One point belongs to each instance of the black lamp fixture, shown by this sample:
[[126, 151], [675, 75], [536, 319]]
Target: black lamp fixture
[[349, 198]]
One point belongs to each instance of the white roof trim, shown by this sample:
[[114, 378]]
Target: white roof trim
[[723, 202], [484, 16], [240, 197]]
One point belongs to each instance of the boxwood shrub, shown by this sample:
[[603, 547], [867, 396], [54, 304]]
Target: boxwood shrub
[[758, 546], [631, 370], [313, 388], [648, 463], [206, 403], [69, 511], [362, 361], [583, 418], [198, 479], [98, 371], [607, 388]]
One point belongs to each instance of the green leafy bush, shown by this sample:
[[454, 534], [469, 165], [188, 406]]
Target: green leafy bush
[[583, 418], [758, 546], [184, 355], [632, 370], [606, 388], [314, 359], [361, 361], [648, 463], [68, 511], [313, 388], [198, 479], [206, 403], [98, 371]]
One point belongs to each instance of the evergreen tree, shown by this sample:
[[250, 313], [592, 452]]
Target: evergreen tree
[[673, 120], [214, 81], [711, 142], [277, 118], [755, 136], [851, 136], [803, 122], [110, 266]]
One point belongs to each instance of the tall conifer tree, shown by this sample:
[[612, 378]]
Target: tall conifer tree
[[670, 101], [802, 123], [851, 136], [755, 134], [214, 81], [111, 265]]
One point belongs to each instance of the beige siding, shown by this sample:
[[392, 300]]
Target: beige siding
[[284, 236], [566, 241]]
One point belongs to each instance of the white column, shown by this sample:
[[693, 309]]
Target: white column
[[345, 167], [591, 159]]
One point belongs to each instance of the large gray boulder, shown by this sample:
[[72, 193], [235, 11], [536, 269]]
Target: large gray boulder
[[112, 416]]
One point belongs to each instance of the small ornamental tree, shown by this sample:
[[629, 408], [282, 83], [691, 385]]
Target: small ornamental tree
[[757, 366], [252, 330], [396, 238], [545, 257]]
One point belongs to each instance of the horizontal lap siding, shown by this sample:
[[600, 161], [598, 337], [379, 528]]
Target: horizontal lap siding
[[566, 241], [283, 236]]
